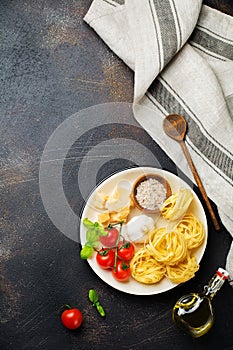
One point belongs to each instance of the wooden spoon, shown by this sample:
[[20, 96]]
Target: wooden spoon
[[174, 125]]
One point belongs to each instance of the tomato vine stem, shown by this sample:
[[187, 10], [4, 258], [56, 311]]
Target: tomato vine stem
[[116, 224], [117, 243], [67, 306]]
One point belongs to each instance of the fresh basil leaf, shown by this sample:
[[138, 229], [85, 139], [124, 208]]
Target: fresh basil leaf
[[93, 296], [95, 226], [86, 252], [95, 243], [87, 223], [100, 309], [99, 228], [102, 232], [91, 236]]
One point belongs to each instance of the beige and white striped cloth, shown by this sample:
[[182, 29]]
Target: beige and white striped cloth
[[182, 55]]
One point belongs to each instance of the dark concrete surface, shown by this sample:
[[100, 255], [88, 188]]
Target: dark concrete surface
[[52, 66]]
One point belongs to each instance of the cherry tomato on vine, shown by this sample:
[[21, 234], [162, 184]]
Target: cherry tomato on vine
[[105, 258], [125, 250], [122, 272], [111, 238], [72, 318]]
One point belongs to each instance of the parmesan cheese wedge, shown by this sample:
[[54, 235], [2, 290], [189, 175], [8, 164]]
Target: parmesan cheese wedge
[[99, 200], [120, 198]]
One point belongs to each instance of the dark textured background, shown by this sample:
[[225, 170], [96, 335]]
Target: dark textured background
[[53, 65]]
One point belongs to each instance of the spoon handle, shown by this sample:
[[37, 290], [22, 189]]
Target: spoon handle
[[200, 185]]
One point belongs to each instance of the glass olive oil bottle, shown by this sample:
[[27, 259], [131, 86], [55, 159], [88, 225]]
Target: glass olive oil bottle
[[194, 312]]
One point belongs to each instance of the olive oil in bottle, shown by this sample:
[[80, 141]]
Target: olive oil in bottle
[[194, 312]]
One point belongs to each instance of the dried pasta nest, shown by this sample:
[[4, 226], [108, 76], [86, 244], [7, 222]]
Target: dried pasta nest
[[168, 206], [167, 247], [176, 205], [192, 230], [145, 269], [182, 271]]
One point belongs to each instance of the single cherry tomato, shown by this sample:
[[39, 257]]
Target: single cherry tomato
[[125, 250], [122, 272], [105, 258], [111, 238], [72, 318]]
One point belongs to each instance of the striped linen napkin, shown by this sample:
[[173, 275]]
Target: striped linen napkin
[[182, 55]]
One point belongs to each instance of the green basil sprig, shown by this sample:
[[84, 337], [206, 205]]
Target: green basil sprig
[[94, 299], [94, 230]]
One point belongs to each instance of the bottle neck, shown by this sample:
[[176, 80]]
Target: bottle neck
[[214, 284]]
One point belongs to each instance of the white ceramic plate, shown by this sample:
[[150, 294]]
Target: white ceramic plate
[[90, 212]]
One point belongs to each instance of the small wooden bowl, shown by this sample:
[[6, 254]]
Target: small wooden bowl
[[145, 177]]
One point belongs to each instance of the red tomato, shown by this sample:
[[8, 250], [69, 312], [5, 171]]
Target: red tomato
[[125, 250], [105, 258], [122, 272], [111, 238], [72, 318]]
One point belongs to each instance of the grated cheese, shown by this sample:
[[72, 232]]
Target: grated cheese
[[150, 194]]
